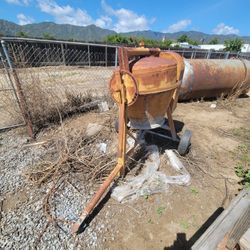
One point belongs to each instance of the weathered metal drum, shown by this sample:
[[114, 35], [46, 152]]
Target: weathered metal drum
[[157, 81]]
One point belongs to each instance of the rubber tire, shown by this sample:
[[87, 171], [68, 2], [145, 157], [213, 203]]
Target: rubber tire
[[185, 142]]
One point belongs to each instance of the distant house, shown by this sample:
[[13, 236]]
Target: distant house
[[212, 46], [245, 47], [185, 45]]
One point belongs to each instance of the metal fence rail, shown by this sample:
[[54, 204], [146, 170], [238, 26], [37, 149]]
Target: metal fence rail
[[39, 78]]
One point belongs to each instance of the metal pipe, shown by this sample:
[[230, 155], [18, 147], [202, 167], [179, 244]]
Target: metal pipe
[[213, 77]]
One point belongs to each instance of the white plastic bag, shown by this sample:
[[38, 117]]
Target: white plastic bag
[[152, 181]]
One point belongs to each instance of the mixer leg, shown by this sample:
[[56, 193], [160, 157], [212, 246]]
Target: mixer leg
[[171, 124]]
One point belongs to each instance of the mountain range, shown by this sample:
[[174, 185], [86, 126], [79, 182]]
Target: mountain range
[[92, 33]]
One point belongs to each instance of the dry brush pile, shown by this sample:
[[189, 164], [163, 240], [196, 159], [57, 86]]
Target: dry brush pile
[[74, 159]]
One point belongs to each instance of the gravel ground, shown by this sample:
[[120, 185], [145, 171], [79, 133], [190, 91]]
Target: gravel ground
[[23, 223]]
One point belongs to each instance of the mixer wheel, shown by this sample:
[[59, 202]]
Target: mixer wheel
[[185, 142]]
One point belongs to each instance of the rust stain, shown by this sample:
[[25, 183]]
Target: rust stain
[[213, 77]]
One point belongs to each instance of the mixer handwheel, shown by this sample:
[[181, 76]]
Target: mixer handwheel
[[185, 142]]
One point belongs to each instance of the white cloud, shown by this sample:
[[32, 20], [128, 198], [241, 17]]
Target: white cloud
[[65, 14], [222, 29], [127, 20], [104, 22], [19, 2], [179, 26], [22, 19]]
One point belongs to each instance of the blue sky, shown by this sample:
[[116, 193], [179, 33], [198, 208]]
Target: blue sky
[[209, 16]]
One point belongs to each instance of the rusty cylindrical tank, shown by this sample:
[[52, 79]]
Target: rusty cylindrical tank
[[213, 77], [157, 79]]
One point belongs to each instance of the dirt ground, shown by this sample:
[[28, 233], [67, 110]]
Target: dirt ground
[[174, 219]]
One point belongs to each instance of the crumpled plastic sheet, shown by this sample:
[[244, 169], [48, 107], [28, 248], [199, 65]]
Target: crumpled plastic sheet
[[152, 181]]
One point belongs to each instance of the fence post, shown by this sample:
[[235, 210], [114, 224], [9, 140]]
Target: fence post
[[89, 56], [106, 55], [116, 56], [9, 77], [192, 55], [63, 54], [21, 97], [209, 54]]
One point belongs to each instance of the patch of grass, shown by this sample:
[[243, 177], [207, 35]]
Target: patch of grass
[[244, 174], [242, 132], [150, 221], [160, 210], [194, 190], [242, 148], [185, 224], [242, 154]]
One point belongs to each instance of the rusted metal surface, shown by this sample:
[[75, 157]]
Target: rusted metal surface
[[155, 74], [178, 59], [149, 110], [213, 77], [141, 51], [157, 80], [130, 83]]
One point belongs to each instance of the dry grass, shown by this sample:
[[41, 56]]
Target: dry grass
[[48, 106], [73, 152], [51, 91], [228, 101], [71, 157]]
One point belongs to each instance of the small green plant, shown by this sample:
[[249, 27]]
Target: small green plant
[[160, 210], [146, 196], [244, 174], [150, 221], [194, 190], [242, 154], [242, 148], [185, 225], [243, 133]]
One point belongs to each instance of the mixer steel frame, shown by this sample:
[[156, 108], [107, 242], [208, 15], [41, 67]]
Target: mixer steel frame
[[124, 101]]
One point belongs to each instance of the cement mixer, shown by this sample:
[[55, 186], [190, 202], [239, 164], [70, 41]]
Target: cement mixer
[[146, 90]]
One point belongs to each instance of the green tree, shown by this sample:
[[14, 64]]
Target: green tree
[[118, 39], [48, 36], [186, 39], [214, 41], [167, 43], [22, 34], [233, 45], [193, 42], [183, 39]]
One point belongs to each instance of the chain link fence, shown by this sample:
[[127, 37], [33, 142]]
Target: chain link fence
[[10, 112], [44, 80]]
